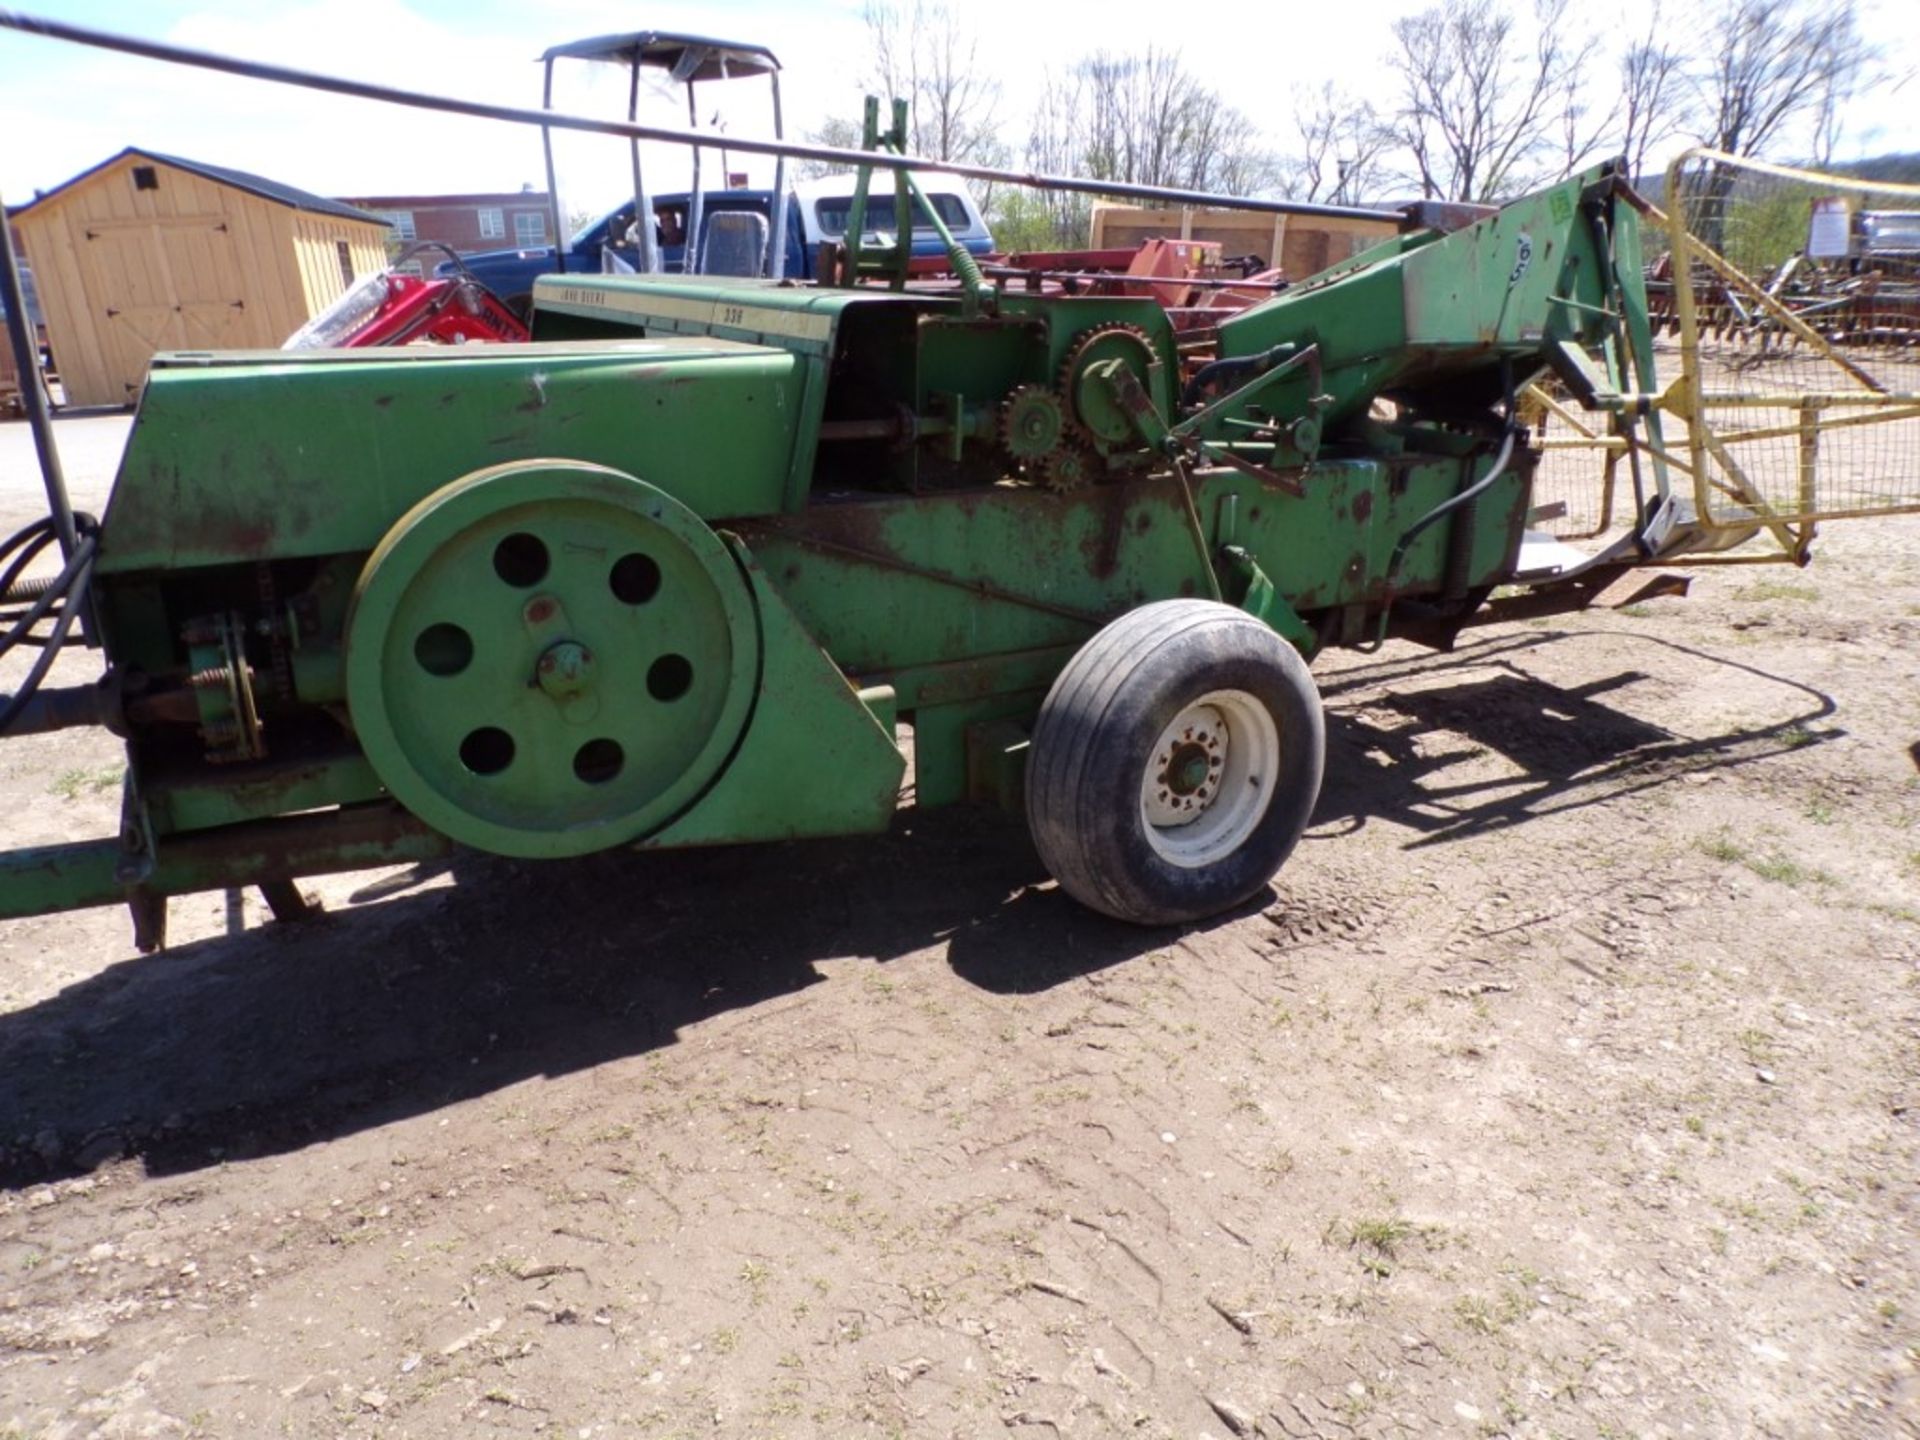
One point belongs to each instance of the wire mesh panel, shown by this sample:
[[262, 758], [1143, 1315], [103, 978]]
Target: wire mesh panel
[[1795, 300]]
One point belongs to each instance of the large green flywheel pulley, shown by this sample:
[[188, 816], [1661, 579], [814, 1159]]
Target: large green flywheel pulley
[[548, 658]]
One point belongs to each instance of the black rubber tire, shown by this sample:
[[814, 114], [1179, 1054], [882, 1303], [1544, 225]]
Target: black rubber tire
[[1095, 736]]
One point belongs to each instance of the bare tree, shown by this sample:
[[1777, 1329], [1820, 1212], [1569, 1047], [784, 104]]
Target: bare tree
[[1482, 111], [1055, 145], [1773, 66], [834, 130], [1140, 119], [1652, 106], [925, 54], [1776, 73], [1344, 147]]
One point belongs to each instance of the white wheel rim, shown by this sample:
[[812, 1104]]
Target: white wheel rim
[[1209, 778]]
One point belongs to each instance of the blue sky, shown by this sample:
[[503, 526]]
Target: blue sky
[[63, 108]]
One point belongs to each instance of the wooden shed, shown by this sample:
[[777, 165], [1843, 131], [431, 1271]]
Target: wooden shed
[[9, 372], [148, 252]]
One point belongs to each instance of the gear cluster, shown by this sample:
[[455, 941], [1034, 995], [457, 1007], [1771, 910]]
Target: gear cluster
[[1092, 404], [1058, 435]]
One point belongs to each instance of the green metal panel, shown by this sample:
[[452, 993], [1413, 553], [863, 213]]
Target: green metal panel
[[760, 312], [900, 583], [1489, 284], [814, 761], [1433, 316], [249, 457], [230, 795]]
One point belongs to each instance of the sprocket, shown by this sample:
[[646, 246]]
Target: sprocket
[[1072, 467], [1033, 423], [1089, 401]]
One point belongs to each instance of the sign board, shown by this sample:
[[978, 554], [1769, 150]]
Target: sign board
[[1828, 231]]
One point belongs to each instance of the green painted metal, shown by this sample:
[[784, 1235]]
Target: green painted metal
[[755, 312], [815, 760], [1432, 318], [452, 578], [238, 458], [49, 879], [463, 611], [206, 799]]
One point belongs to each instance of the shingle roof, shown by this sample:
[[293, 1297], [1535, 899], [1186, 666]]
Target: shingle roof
[[238, 179]]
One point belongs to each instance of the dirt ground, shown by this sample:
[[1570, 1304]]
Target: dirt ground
[[1567, 1084]]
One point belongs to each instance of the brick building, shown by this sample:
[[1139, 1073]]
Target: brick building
[[513, 219]]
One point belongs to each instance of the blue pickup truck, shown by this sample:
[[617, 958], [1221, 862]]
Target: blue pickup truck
[[818, 212]]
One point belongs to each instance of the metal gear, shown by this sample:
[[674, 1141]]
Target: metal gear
[[1090, 403], [1033, 422], [1069, 468]]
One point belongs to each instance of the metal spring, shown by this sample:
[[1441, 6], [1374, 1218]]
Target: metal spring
[[25, 591]]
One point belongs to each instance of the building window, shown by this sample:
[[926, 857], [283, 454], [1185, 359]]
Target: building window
[[346, 262], [402, 222], [145, 178], [493, 224], [530, 227]]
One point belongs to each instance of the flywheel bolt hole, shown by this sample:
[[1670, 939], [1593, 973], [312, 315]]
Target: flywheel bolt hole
[[521, 560], [669, 677], [634, 579], [487, 751], [598, 761], [443, 649]]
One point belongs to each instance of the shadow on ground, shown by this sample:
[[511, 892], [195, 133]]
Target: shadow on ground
[[420, 996], [1557, 748], [287, 1035]]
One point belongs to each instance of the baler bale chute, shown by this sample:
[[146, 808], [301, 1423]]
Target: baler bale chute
[[680, 571]]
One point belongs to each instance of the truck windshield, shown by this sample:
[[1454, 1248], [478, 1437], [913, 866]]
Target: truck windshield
[[832, 213], [614, 224]]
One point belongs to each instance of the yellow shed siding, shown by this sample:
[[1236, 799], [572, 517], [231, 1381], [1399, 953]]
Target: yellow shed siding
[[191, 264], [317, 240], [53, 249]]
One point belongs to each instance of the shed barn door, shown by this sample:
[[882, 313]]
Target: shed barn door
[[168, 284]]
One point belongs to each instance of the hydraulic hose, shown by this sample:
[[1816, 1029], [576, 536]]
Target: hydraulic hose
[[1439, 512], [1448, 506], [1231, 368], [68, 590]]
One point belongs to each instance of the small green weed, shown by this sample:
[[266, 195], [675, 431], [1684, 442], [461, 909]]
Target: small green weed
[[1486, 1317], [754, 1276], [1764, 590], [1723, 847], [1781, 869], [72, 784], [1758, 1045], [1378, 1241]]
